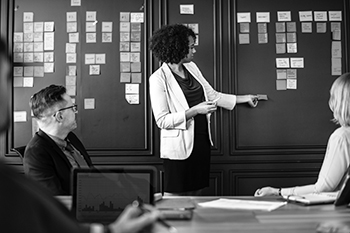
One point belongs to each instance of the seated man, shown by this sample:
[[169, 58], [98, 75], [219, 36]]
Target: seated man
[[54, 150], [28, 207]]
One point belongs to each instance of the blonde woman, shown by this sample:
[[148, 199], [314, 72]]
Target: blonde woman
[[337, 158]]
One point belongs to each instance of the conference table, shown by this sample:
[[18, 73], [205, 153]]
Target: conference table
[[290, 217]]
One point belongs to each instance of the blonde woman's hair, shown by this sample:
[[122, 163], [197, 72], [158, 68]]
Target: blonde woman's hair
[[339, 101]]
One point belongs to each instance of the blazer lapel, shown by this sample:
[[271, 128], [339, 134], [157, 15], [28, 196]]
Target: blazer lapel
[[173, 87], [80, 147], [54, 146]]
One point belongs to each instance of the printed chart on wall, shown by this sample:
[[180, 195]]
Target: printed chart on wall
[[97, 51], [292, 51]]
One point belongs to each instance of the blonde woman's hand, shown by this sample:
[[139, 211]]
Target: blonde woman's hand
[[266, 191]]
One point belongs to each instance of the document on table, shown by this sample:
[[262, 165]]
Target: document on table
[[242, 204]]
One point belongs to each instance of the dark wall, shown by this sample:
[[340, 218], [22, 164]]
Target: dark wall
[[281, 142]]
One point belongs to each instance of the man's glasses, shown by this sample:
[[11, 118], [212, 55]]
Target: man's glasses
[[73, 107]]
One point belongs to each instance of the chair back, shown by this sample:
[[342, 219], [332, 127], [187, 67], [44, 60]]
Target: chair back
[[19, 151]]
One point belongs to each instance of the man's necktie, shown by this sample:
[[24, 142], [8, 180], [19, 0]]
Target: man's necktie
[[76, 155]]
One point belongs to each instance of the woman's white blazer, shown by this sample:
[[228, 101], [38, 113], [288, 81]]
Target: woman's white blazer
[[169, 105]]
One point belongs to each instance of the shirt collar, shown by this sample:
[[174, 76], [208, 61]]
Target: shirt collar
[[60, 142]]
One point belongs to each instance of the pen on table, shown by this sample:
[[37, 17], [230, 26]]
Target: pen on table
[[139, 204]]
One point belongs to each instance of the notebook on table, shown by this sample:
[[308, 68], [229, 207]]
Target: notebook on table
[[313, 198], [100, 195]]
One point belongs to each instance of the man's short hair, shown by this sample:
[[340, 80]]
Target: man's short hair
[[45, 99]]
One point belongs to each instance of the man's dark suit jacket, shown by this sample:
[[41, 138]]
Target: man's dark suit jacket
[[46, 163], [27, 207]]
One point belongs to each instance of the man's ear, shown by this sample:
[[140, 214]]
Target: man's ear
[[58, 116]]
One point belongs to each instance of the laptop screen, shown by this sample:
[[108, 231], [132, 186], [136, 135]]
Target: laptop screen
[[100, 195]]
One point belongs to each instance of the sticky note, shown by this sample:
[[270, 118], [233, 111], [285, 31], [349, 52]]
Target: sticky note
[[280, 27], [291, 37], [281, 74], [101, 58], [243, 17], [125, 67], [107, 26], [305, 16], [132, 88], [132, 99], [291, 27], [71, 16], [94, 70], [90, 58], [262, 38], [334, 15], [280, 37], [262, 17], [291, 73], [125, 77], [137, 17], [72, 27], [136, 78], [244, 27], [89, 103], [28, 82], [291, 84], [281, 85], [262, 28], [306, 27], [291, 47], [71, 80], [244, 39], [320, 15], [106, 37], [297, 62], [321, 27], [284, 15], [282, 62], [91, 16]]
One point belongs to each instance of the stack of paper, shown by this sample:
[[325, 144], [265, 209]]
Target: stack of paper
[[243, 204]]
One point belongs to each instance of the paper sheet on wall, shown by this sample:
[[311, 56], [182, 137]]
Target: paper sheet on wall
[[284, 16], [262, 17], [320, 15], [305, 16], [186, 9], [242, 204], [335, 16], [75, 2], [297, 62], [19, 116], [282, 62], [243, 17]]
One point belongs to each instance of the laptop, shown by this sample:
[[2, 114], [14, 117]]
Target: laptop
[[100, 195], [339, 198]]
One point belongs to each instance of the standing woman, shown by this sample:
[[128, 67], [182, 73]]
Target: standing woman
[[182, 101]]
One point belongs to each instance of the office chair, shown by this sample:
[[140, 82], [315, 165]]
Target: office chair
[[19, 151]]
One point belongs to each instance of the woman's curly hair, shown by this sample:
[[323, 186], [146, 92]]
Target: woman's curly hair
[[170, 43]]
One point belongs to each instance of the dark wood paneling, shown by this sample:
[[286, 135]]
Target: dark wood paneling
[[216, 184], [247, 183]]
